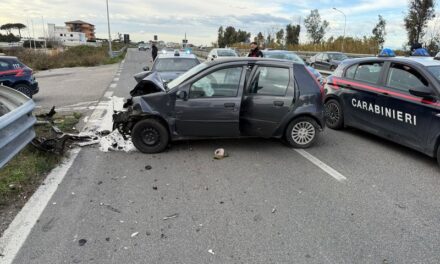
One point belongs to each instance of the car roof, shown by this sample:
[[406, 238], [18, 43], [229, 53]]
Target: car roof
[[278, 51], [223, 49], [8, 57], [250, 60], [182, 55], [421, 61]]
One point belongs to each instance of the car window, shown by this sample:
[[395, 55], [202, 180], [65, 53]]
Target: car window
[[221, 83], [174, 64], [270, 81], [403, 77], [338, 56], [368, 72], [4, 65], [324, 57], [226, 53], [349, 73], [319, 56]]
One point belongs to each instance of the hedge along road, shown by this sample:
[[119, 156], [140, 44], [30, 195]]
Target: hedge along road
[[266, 203]]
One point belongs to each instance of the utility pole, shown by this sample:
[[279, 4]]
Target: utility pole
[[33, 33], [110, 51], [345, 25]]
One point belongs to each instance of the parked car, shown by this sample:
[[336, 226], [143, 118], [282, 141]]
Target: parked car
[[220, 53], [16, 123], [14, 74], [291, 56], [170, 65], [230, 98], [327, 60], [143, 47], [396, 98]]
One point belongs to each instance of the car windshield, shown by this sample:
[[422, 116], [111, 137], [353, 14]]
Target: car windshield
[[226, 53], [284, 56], [338, 56], [435, 70], [176, 82], [174, 64]]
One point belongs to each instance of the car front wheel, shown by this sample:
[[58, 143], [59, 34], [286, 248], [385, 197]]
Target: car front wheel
[[150, 136], [24, 89], [334, 115], [302, 132]]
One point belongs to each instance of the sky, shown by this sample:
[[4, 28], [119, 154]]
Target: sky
[[200, 19]]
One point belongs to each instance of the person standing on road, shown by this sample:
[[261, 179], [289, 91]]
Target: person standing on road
[[154, 51], [255, 51]]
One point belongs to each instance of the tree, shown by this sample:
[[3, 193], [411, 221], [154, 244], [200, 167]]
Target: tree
[[220, 38], [292, 34], [379, 32], [315, 28], [19, 27], [229, 36], [280, 36], [260, 37], [7, 27], [419, 13]]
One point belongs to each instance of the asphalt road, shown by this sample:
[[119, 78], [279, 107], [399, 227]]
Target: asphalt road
[[266, 203]]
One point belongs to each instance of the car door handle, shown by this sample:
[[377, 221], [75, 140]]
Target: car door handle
[[278, 103], [229, 105]]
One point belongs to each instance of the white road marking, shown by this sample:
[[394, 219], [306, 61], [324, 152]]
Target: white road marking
[[18, 231], [116, 79], [108, 94], [332, 172], [113, 85]]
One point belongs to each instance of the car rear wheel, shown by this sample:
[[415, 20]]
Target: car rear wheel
[[302, 132], [150, 136], [25, 89], [334, 115]]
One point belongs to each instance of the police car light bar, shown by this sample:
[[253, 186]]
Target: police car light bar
[[420, 52], [386, 52]]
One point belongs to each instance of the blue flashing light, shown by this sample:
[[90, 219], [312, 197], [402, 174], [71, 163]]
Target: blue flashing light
[[420, 52], [386, 52]]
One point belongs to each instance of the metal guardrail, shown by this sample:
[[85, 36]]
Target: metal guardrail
[[118, 52], [16, 123]]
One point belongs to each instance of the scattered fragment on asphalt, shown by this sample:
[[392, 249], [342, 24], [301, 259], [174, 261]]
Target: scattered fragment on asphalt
[[121, 221], [134, 234], [82, 242], [155, 188], [163, 236], [171, 216], [274, 210], [401, 206], [210, 251], [54, 203], [148, 167], [220, 154], [107, 239], [100, 182], [148, 233]]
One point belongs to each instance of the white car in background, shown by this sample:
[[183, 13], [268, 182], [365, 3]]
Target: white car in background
[[220, 53]]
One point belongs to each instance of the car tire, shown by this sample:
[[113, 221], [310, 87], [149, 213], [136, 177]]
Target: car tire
[[334, 114], [24, 89], [302, 132], [150, 136]]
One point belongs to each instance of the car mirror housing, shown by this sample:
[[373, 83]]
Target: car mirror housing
[[181, 95], [421, 91]]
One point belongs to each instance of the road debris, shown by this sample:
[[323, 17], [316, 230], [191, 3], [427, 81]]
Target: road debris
[[220, 154], [134, 234], [210, 251], [274, 210], [82, 242], [155, 188], [148, 167], [171, 216]]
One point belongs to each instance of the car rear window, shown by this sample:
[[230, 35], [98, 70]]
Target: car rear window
[[226, 53], [175, 64]]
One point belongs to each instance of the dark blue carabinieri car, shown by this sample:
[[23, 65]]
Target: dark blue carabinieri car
[[396, 98], [14, 74], [226, 98]]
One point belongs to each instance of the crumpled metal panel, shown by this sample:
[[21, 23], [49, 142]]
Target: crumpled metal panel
[[16, 123]]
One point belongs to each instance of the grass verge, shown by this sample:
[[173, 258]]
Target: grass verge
[[26, 171]]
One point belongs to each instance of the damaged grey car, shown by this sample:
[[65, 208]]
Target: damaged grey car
[[226, 98]]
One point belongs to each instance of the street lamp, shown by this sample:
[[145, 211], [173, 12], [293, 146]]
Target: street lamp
[[110, 52], [345, 25]]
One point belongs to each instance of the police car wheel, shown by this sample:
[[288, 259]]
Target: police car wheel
[[23, 88], [302, 132], [150, 136], [334, 115]]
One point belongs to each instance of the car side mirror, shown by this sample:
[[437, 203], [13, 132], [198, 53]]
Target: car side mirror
[[214, 56], [146, 68], [181, 95], [422, 91]]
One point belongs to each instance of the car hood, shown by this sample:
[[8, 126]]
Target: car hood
[[151, 83]]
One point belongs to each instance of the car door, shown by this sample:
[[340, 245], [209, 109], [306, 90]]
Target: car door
[[6, 73], [361, 84], [267, 99], [212, 107], [405, 118]]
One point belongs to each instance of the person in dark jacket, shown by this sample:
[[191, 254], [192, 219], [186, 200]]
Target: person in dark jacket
[[255, 51], [154, 51]]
